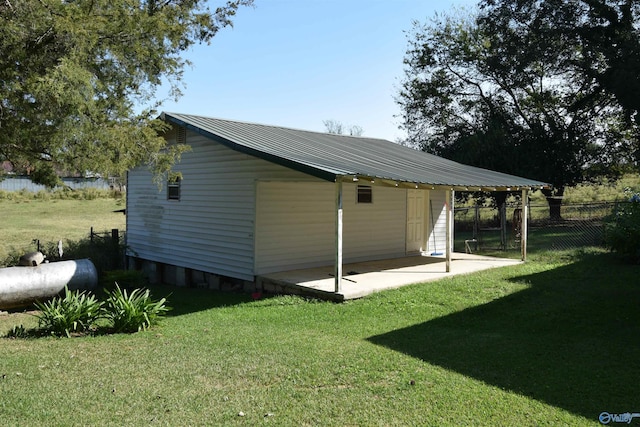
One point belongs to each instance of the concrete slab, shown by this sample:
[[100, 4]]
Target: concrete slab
[[364, 278]]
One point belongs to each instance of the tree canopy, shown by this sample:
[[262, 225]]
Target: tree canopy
[[337, 128], [74, 75], [597, 40], [508, 89]]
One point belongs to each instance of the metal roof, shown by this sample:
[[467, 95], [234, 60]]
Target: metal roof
[[339, 157]]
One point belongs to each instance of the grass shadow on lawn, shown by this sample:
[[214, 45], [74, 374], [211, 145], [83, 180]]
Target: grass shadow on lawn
[[571, 339], [184, 300]]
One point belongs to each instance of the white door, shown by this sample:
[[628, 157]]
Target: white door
[[415, 221]]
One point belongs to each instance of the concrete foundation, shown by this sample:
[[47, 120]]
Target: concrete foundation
[[161, 273]]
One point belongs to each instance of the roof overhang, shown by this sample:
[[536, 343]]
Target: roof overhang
[[330, 174], [372, 180]]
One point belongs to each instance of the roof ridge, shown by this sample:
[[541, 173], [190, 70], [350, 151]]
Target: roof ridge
[[245, 122]]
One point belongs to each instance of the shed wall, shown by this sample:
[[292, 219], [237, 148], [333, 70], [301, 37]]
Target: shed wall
[[376, 230], [437, 226], [211, 227], [296, 225]]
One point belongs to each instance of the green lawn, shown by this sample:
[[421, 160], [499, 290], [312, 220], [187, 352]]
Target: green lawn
[[24, 220], [550, 342]]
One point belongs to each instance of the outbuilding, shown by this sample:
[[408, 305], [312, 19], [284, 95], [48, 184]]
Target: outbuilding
[[257, 199]]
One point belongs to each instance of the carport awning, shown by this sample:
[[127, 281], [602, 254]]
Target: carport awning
[[347, 158]]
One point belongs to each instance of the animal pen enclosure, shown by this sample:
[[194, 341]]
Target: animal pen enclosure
[[482, 229]]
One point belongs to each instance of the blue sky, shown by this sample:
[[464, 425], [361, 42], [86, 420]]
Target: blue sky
[[296, 63]]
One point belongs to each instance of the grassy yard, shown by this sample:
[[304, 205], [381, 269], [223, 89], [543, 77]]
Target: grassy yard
[[25, 219], [550, 342]]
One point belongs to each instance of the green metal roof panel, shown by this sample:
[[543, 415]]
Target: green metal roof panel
[[328, 156]]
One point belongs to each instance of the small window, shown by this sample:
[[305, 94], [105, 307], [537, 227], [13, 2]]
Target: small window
[[365, 194], [173, 189]]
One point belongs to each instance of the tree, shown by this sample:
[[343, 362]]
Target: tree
[[597, 39], [337, 128], [477, 93], [73, 73]]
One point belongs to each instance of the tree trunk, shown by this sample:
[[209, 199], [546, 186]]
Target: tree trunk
[[501, 197], [554, 199], [554, 209]]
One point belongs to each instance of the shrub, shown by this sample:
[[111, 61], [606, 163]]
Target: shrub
[[134, 311], [18, 331], [104, 253], [622, 229], [76, 312], [62, 193], [80, 312], [13, 258]]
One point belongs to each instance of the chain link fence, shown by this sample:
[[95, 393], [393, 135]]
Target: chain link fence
[[480, 229]]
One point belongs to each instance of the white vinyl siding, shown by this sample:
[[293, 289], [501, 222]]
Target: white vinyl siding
[[375, 230], [211, 227], [296, 225], [437, 225]]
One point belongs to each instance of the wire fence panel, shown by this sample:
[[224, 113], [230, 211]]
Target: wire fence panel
[[580, 225], [486, 229]]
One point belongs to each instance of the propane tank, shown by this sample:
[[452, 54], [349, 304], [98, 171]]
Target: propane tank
[[20, 286]]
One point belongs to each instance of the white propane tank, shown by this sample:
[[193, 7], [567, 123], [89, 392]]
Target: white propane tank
[[20, 286]]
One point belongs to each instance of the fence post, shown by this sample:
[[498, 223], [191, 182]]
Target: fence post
[[503, 226], [476, 221], [115, 241]]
